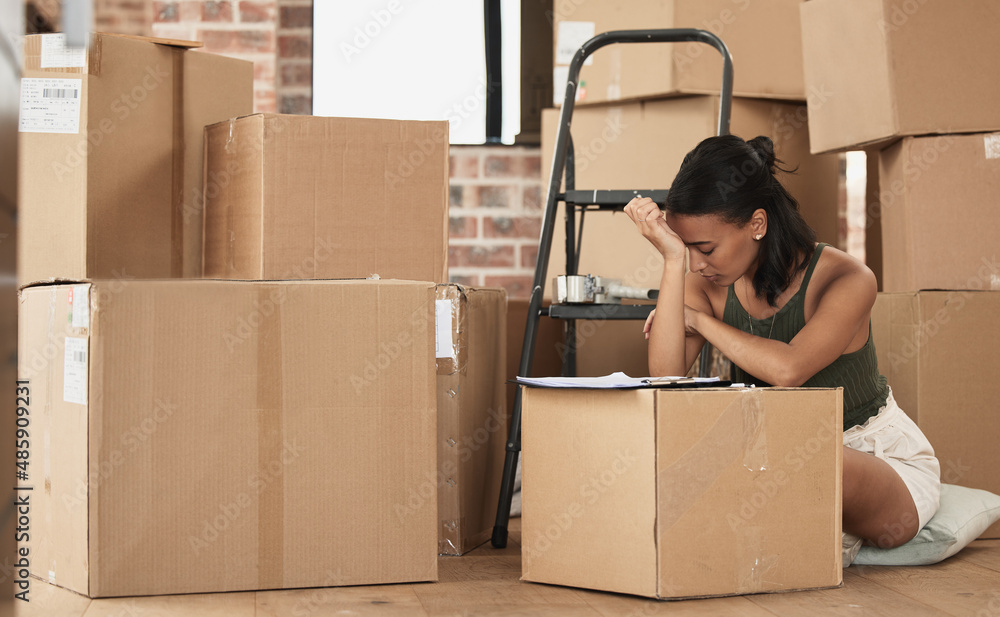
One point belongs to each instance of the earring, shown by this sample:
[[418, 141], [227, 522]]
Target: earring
[[758, 236]]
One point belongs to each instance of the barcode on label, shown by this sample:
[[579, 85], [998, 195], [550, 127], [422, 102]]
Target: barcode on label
[[80, 356], [60, 93]]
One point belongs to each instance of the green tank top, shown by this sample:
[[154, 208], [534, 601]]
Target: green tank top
[[865, 388]]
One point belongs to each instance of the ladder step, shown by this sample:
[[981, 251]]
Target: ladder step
[[600, 311], [611, 199]]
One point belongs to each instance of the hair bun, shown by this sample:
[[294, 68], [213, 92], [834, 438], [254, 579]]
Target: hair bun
[[764, 148]]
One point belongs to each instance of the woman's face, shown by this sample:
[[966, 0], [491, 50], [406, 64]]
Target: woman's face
[[719, 251]]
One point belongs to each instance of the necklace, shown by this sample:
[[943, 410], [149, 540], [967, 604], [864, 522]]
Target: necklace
[[746, 289]]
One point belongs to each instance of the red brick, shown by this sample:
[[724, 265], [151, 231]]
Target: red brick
[[481, 256], [495, 196], [512, 166], [518, 287], [296, 74], [532, 198], [252, 12], [165, 12], [237, 41], [216, 11], [529, 256], [295, 46], [264, 101], [300, 104], [464, 165], [296, 17], [462, 227], [263, 71], [190, 11], [511, 227]]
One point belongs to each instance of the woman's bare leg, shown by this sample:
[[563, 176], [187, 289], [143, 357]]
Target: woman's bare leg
[[877, 505]]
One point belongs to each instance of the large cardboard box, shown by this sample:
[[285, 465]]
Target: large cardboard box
[[640, 146], [682, 493], [472, 413], [204, 436], [764, 39], [940, 351], [312, 197], [938, 204], [111, 154], [881, 69]]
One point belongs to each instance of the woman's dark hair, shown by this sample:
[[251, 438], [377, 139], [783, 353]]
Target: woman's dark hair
[[732, 178]]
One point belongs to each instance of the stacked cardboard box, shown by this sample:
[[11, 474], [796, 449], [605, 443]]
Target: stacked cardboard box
[[278, 428], [110, 162], [632, 127], [928, 119]]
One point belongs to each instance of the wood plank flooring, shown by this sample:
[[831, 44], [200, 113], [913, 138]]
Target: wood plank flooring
[[487, 582]]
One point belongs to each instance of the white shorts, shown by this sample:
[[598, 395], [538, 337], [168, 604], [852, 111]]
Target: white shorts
[[893, 437]]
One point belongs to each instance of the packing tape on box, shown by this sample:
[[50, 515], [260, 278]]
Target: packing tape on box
[[737, 435], [270, 444]]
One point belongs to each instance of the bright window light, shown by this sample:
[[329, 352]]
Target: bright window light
[[413, 61]]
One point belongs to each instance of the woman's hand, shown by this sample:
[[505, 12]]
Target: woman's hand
[[648, 324], [651, 224]]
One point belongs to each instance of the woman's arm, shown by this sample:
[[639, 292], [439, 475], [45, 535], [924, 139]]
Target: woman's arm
[[672, 350], [843, 308]]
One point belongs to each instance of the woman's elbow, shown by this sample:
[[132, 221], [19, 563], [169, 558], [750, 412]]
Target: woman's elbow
[[789, 376]]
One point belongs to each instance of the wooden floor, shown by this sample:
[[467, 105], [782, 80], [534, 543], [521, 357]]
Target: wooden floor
[[486, 582]]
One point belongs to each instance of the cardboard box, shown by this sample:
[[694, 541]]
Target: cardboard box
[[641, 146], [206, 436], [880, 69], [472, 413], [111, 158], [682, 493], [940, 351], [940, 222], [311, 197], [764, 39]]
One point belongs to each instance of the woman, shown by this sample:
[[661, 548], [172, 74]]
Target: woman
[[787, 312]]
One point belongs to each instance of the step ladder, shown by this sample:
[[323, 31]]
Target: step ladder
[[584, 201]]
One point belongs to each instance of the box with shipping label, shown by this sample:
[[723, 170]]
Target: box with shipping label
[[308, 197], [940, 351], [641, 146], [881, 69], [682, 493], [763, 38], [472, 412], [206, 436], [110, 162], [939, 218]]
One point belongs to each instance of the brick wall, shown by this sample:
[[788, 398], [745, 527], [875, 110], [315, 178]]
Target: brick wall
[[294, 69], [495, 215], [123, 16]]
